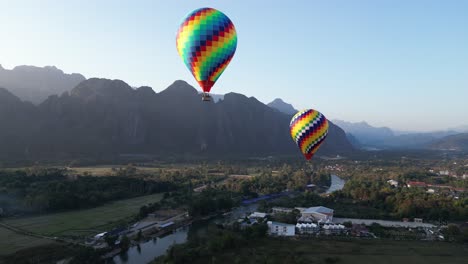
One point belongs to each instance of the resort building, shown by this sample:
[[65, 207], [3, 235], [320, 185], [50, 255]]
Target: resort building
[[281, 229], [316, 214]]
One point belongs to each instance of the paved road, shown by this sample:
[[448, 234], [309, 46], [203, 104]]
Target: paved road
[[382, 222]]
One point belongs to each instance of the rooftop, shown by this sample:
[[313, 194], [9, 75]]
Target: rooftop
[[318, 209], [280, 224]]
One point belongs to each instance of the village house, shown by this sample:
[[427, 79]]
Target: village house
[[281, 229], [393, 183]]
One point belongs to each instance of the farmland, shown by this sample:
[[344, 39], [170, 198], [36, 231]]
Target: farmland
[[83, 222]]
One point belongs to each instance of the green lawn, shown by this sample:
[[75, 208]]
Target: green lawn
[[83, 222], [11, 242], [345, 252]]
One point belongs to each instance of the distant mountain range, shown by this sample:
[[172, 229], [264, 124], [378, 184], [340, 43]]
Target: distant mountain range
[[454, 142], [367, 136], [35, 84], [364, 133], [102, 118]]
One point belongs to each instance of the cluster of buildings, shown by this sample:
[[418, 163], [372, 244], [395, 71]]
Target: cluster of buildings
[[312, 220], [156, 222], [430, 188]]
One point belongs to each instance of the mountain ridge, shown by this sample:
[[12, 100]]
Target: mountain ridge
[[107, 118], [282, 106]]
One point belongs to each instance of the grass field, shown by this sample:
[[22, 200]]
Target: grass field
[[345, 252], [83, 222], [11, 242]]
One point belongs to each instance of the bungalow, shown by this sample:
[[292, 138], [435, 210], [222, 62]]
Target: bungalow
[[318, 213], [281, 229], [307, 228], [333, 229]]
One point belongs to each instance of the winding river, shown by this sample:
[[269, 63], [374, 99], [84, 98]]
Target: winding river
[[149, 250]]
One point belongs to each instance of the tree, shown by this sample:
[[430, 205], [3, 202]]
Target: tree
[[125, 243], [110, 240], [453, 233]]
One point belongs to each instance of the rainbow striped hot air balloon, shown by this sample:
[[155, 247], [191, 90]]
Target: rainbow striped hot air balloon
[[308, 128], [206, 41]]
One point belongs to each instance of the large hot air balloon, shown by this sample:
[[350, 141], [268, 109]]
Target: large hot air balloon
[[206, 41], [308, 128]]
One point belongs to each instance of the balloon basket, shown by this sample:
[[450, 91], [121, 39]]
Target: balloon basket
[[206, 97]]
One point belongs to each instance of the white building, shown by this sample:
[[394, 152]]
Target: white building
[[281, 229], [307, 228], [444, 173], [393, 183], [318, 213], [257, 215], [333, 229]]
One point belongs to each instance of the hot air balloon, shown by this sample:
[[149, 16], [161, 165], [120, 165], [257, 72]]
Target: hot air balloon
[[206, 41], [308, 128]]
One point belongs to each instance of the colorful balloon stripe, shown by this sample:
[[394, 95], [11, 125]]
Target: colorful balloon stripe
[[206, 41], [309, 128]]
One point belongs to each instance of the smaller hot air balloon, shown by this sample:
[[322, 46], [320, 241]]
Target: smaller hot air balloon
[[206, 42], [308, 128]]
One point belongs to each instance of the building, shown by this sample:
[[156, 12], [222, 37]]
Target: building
[[257, 215], [281, 210], [393, 183], [416, 184], [444, 173], [307, 228], [430, 191], [281, 229], [317, 213], [333, 229]]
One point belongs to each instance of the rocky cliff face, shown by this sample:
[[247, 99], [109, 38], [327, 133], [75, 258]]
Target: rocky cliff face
[[101, 118]]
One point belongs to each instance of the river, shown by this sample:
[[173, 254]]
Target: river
[[149, 250]]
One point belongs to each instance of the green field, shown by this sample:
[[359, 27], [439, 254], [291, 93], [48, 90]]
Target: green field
[[346, 252], [83, 222], [11, 242]]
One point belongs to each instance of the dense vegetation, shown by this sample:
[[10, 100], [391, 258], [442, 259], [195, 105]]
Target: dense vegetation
[[365, 198], [213, 242], [226, 246], [53, 190]]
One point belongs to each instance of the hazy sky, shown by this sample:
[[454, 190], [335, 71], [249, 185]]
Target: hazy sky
[[402, 64]]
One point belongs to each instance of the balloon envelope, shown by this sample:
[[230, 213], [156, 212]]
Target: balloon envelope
[[206, 42], [308, 128]]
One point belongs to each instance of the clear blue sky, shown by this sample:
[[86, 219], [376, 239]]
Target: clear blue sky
[[402, 64]]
